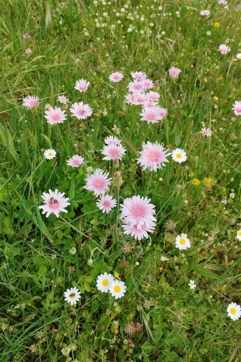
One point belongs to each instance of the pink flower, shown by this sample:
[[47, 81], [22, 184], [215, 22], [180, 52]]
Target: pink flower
[[224, 49], [237, 108], [55, 115], [136, 87], [152, 96], [75, 161], [116, 77], [205, 12], [112, 140], [138, 75], [26, 36], [174, 72], [138, 218], [224, 202], [98, 182], [113, 152], [162, 112], [206, 132], [153, 156], [152, 114], [31, 101], [81, 110], [147, 84], [131, 98], [140, 98], [106, 203], [82, 85], [63, 99], [54, 202]]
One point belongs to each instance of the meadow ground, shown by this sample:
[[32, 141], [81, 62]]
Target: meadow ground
[[178, 251]]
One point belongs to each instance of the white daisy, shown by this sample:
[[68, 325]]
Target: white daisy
[[192, 284], [182, 242], [239, 234], [104, 282], [238, 56], [72, 296], [234, 311], [179, 155], [117, 289], [49, 154]]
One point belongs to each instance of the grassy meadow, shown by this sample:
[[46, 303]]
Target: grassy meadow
[[160, 317]]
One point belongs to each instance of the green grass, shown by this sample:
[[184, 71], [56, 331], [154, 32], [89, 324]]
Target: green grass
[[42, 257]]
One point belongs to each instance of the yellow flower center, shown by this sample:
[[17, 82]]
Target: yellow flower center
[[117, 289], [233, 310], [105, 282], [182, 241], [72, 295], [239, 233], [50, 154], [178, 155]]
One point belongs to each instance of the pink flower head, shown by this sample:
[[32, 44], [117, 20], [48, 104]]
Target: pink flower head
[[75, 161], [138, 75], [116, 77], [224, 201], [206, 132], [147, 84], [152, 96], [31, 102], [151, 114], [82, 85], [131, 98], [63, 99], [113, 152], [174, 72], [152, 156], [81, 110], [222, 2], [237, 108], [98, 182], [136, 86], [140, 98], [204, 12], [138, 218], [106, 203], [54, 203], [112, 140], [26, 36], [224, 49], [162, 112], [55, 115]]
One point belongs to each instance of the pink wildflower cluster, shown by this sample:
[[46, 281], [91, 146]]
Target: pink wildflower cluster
[[140, 94]]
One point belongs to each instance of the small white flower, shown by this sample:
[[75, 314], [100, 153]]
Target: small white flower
[[192, 284], [104, 282], [182, 242], [238, 56], [239, 234], [72, 296], [117, 289], [179, 155], [234, 311], [49, 154]]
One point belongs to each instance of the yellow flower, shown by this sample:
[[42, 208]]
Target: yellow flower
[[207, 181], [196, 182], [116, 275], [216, 24], [215, 98]]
